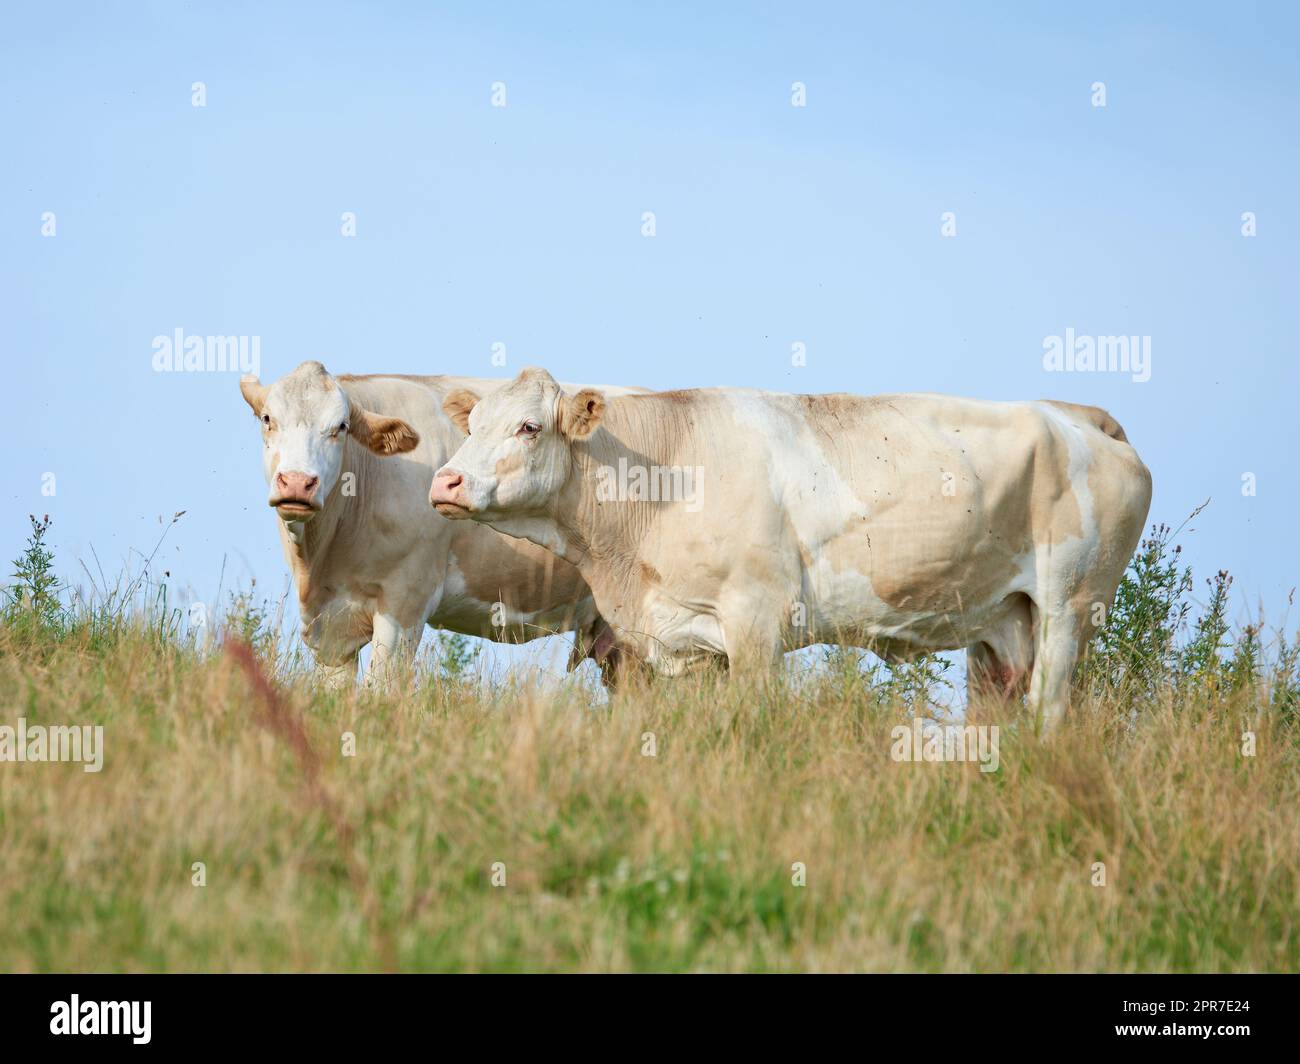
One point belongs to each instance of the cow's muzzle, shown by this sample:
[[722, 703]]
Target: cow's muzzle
[[295, 496], [447, 494]]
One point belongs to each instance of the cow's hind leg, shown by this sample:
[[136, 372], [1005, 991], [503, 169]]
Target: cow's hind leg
[[1056, 652]]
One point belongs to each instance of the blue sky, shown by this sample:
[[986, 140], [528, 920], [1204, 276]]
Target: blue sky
[[522, 225]]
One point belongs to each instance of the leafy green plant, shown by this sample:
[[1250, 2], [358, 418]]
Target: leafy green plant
[[1243, 669], [916, 684], [251, 620], [33, 601], [1154, 638], [456, 654], [1284, 682], [1201, 661], [1136, 647]]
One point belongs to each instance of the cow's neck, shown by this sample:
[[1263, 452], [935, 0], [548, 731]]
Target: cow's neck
[[605, 538], [306, 547], [307, 543]]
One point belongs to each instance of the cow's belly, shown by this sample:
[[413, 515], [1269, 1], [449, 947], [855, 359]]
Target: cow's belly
[[461, 611], [905, 595]]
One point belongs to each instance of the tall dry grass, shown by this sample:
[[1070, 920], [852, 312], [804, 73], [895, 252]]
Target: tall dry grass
[[614, 860]]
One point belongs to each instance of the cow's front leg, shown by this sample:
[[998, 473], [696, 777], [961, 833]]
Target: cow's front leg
[[753, 645], [336, 652], [392, 649], [1056, 651], [335, 643]]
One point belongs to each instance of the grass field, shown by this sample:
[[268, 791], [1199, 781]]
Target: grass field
[[526, 827]]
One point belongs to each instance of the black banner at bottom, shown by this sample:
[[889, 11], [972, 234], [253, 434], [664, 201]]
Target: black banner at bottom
[[341, 1012]]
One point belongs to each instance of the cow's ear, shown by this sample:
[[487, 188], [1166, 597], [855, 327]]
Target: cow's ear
[[457, 406], [382, 434], [254, 393], [580, 414]]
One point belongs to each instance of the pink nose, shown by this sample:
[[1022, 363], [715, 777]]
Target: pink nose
[[295, 488], [448, 489]]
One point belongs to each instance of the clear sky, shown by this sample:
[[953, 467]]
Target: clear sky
[[522, 225]]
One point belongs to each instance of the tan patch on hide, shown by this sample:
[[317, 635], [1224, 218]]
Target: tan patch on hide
[[833, 405], [509, 464], [524, 576], [1094, 416], [927, 551]]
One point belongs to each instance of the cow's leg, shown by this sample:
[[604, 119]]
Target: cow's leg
[[392, 647], [1056, 651], [335, 649], [754, 646]]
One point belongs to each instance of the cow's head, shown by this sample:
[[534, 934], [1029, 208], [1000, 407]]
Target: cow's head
[[517, 455], [306, 418]]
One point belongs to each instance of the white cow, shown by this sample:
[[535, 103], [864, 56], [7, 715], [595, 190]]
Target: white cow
[[348, 462], [737, 524]]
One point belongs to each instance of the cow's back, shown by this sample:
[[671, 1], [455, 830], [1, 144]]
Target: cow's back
[[914, 504], [952, 503]]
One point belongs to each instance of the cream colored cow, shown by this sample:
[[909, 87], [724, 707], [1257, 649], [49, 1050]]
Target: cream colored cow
[[738, 524], [348, 462]]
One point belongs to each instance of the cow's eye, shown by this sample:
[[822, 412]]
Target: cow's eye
[[529, 428], [343, 427]]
